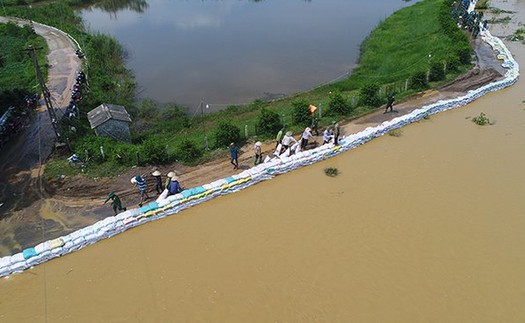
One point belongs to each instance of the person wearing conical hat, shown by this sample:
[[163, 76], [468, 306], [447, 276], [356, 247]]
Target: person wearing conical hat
[[234, 156], [258, 153], [279, 137], [307, 134], [337, 132], [173, 185], [168, 179], [158, 182], [116, 204], [287, 141]]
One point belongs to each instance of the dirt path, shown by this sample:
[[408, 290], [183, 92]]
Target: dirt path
[[20, 187]]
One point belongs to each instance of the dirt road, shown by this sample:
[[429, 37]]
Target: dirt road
[[20, 161]]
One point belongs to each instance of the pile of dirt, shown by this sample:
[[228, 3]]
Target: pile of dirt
[[473, 79]]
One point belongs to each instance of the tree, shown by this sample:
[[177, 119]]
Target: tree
[[301, 113], [188, 152], [268, 122], [418, 81], [369, 95], [437, 72], [227, 133], [339, 104]]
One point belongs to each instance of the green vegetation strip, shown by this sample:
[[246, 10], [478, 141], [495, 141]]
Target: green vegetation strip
[[17, 73]]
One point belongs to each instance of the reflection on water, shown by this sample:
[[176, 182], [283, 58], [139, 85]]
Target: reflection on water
[[113, 6], [233, 51]]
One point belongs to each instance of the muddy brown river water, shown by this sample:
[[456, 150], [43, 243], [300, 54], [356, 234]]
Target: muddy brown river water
[[425, 227]]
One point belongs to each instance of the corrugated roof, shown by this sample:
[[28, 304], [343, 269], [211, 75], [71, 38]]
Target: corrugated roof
[[106, 111]]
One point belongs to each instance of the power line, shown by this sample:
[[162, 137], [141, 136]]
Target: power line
[[47, 96]]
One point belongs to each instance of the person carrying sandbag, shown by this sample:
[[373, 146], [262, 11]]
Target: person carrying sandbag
[[116, 204]]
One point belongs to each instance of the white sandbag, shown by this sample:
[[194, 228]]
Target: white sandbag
[[41, 247], [163, 196], [16, 258], [18, 267], [5, 261]]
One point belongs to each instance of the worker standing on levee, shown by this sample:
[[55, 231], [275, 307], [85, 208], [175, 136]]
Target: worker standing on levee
[[390, 103], [258, 153], [143, 186], [279, 137], [234, 156], [116, 204], [174, 185], [337, 132], [158, 182], [307, 134], [287, 141]]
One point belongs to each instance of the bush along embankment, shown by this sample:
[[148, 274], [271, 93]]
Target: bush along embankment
[[17, 73], [416, 48]]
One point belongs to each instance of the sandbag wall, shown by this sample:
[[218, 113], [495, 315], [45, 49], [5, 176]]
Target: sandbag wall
[[176, 203]]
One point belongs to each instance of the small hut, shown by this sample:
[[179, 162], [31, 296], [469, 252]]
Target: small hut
[[111, 121]]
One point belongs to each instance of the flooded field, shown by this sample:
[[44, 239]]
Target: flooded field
[[234, 51], [428, 226]]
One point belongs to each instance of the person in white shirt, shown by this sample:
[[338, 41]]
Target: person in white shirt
[[287, 141], [327, 136], [307, 134]]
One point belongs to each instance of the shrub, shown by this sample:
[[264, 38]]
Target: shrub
[[339, 104], [395, 133], [89, 148], [227, 133], [464, 53], [125, 154], [418, 81], [268, 122], [453, 63], [153, 152], [148, 109], [188, 152], [331, 171], [369, 95], [481, 120], [437, 72], [301, 113], [172, 119]]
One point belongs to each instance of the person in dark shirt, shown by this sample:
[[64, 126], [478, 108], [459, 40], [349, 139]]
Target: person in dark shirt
[[390, 103], [116, 204], [234, 154], [158, 182], [174, 185]]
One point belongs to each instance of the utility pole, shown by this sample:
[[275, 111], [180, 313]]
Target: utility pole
[[47, 96], [203, 126]]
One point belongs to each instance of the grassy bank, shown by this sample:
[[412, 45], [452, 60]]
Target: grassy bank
[[394, 58], [17, 73]]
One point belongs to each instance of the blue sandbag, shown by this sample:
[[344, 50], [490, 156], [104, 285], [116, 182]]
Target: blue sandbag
[[144, 209], [186, 193], [230, 179], [199, 190], [153, 206], [29, 252]]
